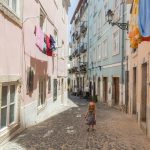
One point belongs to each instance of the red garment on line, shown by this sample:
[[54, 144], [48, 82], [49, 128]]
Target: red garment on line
[[48, 51], [145, 38]]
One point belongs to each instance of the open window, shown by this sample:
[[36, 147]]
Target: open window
[[42, 21]]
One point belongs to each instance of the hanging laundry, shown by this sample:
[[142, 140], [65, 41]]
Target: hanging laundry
[[144, 17], [44, 48], [39, 37], [48, 45], [134, 34], [52, 43]]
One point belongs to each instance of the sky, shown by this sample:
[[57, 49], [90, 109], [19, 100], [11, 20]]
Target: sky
[[71, 12]]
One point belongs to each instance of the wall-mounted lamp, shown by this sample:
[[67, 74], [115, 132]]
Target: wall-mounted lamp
[[109, 17]]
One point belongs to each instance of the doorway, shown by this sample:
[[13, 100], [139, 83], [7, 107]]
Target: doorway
[[55, 89], [99, 88], [90, 88], [94, 89], [115, 90], [134, 110], [105, 88], [144, 93]]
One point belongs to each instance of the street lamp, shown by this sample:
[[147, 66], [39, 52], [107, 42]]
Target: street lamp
[[109, 17], [123, 26]]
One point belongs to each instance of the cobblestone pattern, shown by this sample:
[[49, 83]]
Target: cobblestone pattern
[[67, 131]]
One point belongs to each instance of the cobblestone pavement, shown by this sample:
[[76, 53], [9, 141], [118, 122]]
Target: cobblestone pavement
[[67, 131]]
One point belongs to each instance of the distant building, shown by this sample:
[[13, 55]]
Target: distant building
[[33, 78], [79, 46]]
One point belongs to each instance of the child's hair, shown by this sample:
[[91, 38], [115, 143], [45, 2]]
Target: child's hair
[[91, 100]]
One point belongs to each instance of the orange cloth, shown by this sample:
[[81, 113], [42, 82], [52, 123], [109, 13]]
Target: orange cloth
[[134, 34]]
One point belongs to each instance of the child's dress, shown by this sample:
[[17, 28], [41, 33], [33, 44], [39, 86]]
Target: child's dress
[[91, 118]]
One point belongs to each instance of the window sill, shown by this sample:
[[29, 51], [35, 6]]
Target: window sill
[[115, 54], [10, 14], [10, 78], [8, 129]]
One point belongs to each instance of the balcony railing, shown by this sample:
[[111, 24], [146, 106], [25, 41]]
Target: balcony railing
[[83, 48], [70, 57], [77, 35], [75, 70], [77, 20], [83, 8], [83, 68], [83, 27]]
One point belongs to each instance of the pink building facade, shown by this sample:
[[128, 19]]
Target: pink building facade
[[32, 84]]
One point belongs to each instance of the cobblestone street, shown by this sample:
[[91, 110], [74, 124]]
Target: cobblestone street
[[67, 131]]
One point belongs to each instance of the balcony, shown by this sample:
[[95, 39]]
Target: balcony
[[77, 35], [70, 57], [83, 27], [75, 70], [83, 8], [69, 71], [83, 68], [76, 52], [83, 48], [77, 20]]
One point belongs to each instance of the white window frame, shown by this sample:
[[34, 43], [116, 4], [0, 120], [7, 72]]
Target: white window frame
[[63, 14], [105, 49], [8, 124], [116, 42], [99, 21], [116, 10], [95, 27], [105, 11], [99, 52], [42, 92], [44, 22], [56, 37], [17, 12]]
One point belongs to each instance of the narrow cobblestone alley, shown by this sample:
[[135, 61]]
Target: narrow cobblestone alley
[[67, 131]]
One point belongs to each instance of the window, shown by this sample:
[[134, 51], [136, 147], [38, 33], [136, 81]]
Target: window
[[13, 5], [94, 55], [116, 9], [116, 3], [94, 7], [95, 27], [90, 42], [99, 52], [99, 21], [56, 38], [116, 42], [105, 49], [63, 13], [56, 3], [49, 84], [42, 92], [42, 21], [105, 11], [7, 108]]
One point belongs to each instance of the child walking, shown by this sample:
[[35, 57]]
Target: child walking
[[90, 115]]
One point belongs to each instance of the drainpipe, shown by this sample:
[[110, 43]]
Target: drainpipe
[[88, 53], [122, 57]]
